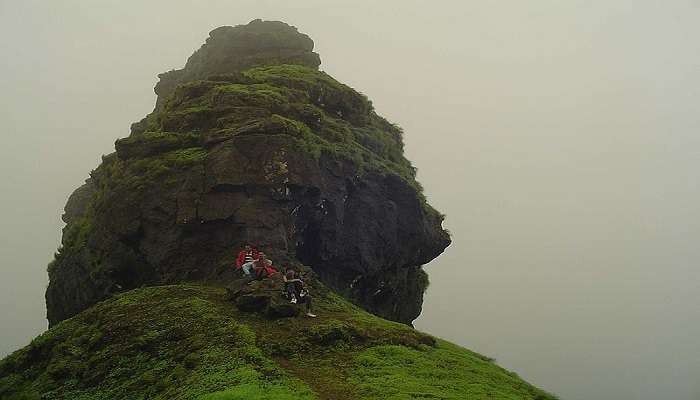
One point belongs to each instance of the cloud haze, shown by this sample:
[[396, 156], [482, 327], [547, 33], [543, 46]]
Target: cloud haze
[[560, 138]]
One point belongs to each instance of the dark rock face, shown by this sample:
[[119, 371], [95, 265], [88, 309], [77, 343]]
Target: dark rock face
[[78, 202], [279, 155]]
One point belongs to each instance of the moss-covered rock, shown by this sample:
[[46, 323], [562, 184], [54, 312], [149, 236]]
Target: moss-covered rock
[[153, 143], [250, 142]]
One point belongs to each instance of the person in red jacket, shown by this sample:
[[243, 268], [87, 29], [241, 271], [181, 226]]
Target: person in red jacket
[[263, 267], [246, 258]]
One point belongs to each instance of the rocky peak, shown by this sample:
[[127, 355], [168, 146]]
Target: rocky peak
[[236, 48], [251, 143]]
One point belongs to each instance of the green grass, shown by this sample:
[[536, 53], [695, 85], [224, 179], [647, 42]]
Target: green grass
[[444, 372], [255, 392], [188, 342], [162, 342]]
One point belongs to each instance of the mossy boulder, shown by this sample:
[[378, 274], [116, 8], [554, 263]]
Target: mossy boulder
[[265, 297]]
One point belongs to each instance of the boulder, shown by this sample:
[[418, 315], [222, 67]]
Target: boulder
[[266, 297]]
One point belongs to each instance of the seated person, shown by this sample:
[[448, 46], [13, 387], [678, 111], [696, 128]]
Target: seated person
[[296, 291], [246, 258], [263, 267]]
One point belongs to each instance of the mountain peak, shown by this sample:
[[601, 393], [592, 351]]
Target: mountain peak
[[236, 48], [251, 143]]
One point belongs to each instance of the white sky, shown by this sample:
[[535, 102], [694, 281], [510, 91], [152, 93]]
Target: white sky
[[559, 137]]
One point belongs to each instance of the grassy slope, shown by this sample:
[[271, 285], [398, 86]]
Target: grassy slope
[[188, 342]]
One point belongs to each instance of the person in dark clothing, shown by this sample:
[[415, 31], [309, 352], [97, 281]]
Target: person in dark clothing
[[296, 291]]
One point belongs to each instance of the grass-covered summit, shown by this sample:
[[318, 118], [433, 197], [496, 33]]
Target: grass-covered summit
[[189, 342]]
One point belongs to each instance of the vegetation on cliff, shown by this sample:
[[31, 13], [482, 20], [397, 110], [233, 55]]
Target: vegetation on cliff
[[323, 116]]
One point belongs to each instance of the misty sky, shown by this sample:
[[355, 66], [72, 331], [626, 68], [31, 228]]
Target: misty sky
[[559, 137]]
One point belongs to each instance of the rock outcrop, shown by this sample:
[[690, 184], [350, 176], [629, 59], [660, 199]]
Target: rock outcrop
[[235, 48], [263, 296], [251, 143]]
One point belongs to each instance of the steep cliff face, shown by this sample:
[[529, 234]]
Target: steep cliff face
[[251, 143]]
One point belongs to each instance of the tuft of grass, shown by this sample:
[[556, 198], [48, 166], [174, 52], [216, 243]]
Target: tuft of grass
[[154, 142], [186, 157]]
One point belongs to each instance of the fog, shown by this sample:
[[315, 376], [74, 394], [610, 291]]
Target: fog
[[559, 137]]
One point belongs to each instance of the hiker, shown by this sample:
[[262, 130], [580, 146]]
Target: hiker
[[296, 291], [246, 258], [263, 267]]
